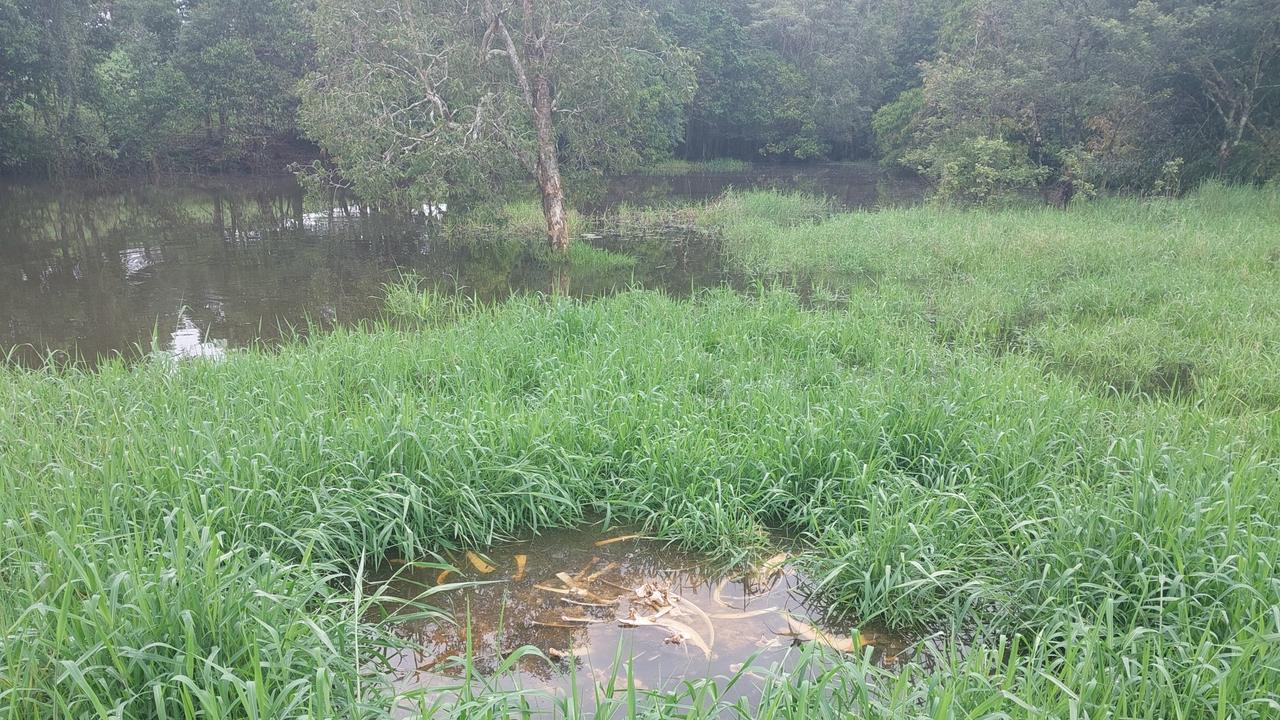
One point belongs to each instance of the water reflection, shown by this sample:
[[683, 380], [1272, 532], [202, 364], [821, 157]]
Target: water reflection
[[582, 599], [96, 269], [852, 185], [187, 341]]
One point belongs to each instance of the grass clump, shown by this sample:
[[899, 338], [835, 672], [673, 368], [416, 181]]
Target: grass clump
[[178, 539]]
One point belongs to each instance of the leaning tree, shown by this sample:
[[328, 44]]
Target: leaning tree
[[422, 99]]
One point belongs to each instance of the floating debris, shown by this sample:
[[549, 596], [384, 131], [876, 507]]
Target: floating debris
[[584, 620], [765, 572], [577, 600], [479, 564], [681, 633], [602, 571], [553, 624], [711, 627], [557, 654], [580, 603], [808, 633], [745, 615], [620, 538]]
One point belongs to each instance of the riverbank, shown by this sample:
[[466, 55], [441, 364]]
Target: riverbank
[[179, 538]]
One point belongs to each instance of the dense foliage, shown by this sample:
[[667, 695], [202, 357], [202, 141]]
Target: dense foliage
[[87, 85], [1071, 95], [987, 97], [416, 100]]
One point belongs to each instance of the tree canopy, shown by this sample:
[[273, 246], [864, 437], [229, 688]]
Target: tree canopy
[[986, 97]]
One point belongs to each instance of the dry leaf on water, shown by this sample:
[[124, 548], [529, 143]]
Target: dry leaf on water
[[620, 538], [680, 631], [479, 564], [808, 633]]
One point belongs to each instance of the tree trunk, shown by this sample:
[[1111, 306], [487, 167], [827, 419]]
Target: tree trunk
[[548, 169]]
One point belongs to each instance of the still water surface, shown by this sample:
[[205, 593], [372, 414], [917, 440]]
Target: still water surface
[[199, 265], [592, 604]]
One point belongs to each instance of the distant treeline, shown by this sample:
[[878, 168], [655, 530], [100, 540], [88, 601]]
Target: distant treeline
[[983, 96], [122, 85]]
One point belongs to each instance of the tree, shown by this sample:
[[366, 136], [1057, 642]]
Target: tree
[[794, 79], [1227, 54], [417, 99], [144, 98], [243, 59], [1071, 84]]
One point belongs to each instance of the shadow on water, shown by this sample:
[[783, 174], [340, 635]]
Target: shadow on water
[[206, 264], [584, 600]]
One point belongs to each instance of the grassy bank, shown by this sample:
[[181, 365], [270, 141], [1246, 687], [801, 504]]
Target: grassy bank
[[178, 539], [1160, 297]]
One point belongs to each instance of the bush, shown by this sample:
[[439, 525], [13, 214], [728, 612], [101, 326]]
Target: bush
[[895, 123], [977, 171]]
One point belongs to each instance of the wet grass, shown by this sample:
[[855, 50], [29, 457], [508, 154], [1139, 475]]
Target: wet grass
[[1158, 298], [178, 540]]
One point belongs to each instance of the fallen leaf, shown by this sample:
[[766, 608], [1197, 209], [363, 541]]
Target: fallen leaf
[[685, 632], [562, 625], [711, 627], [479, 564]]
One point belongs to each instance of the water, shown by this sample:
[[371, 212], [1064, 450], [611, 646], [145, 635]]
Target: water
[[207, 264], [581, 598], [851, 185]]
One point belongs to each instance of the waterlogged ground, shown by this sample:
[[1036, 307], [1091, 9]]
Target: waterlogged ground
[[590, 603], [207, 264]]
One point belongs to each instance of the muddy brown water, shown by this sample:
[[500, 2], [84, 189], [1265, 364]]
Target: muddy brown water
[[585, 603], [205, 264]]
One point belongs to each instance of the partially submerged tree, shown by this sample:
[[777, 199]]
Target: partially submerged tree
[[419, 99]]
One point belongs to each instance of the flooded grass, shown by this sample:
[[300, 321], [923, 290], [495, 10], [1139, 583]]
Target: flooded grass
[[193, 539]]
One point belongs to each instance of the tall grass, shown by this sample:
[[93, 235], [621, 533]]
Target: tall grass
[[185, 540], [176, 536], [1157, 298]]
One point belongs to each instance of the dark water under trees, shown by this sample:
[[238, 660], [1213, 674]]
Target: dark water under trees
[[204, 264]]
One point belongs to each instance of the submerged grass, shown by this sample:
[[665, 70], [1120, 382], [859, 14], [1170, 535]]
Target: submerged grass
[[178, 541]]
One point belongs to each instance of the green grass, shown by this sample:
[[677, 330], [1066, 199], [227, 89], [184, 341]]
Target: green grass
[[178, 541], [1162, 298]]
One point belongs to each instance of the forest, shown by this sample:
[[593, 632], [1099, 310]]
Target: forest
[[984, 97]]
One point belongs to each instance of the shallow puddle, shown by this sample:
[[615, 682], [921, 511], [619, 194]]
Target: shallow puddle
[[586, 600]]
